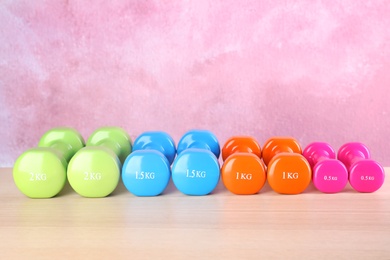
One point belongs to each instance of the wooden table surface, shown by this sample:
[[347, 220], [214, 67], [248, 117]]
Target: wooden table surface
[[312, 225]]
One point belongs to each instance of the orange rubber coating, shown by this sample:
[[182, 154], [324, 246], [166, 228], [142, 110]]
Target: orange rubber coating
[[277, 145], [289, 173], [241, 144], [288, 170], [243, 173]]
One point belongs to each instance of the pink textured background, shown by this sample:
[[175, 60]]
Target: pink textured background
[[315, 70]]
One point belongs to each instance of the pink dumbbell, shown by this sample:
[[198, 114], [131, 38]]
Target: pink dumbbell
[[365, 175], [329, 175]]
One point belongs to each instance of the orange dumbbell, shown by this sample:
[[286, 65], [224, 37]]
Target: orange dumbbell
[[288, 171], [243, 172]]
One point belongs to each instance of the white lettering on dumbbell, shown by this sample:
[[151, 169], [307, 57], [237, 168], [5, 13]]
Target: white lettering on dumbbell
[[92, 176], [367, 178], [196, 174], [243, 176], [37, 176], [290, 175], [144, 175], [330, 178]]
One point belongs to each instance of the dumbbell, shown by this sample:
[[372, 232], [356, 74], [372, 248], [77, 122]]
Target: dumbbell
[[94, 171], [243, 172], [147, 169], [41, 172], [329, 174], [288, 171], [365, 174], [195, 170]]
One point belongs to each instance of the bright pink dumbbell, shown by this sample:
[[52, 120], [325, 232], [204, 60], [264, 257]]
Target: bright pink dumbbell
[[329, 175], [365, 175]]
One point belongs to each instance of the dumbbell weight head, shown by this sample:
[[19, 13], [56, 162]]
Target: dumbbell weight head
[[41, 172], [195, 170], [146, 171], [94, 171], [288, 171], [329, 175], [365, 174], [243, 172]]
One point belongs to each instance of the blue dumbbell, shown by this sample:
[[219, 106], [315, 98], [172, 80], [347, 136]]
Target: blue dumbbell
[[196, 170], [147, 170]]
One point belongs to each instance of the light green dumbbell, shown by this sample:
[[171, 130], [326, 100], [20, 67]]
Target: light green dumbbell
[[95, 170], [41, 172]]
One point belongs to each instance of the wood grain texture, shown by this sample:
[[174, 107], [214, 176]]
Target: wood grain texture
[[312, 225]]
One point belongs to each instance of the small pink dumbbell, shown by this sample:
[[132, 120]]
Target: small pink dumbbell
[[329, 175], [365, 175]]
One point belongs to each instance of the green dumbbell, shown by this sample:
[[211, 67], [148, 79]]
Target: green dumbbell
[[41, 172], [95, 170]]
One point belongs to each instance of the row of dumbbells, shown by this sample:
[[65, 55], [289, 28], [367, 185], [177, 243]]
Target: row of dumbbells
[[95, 169]]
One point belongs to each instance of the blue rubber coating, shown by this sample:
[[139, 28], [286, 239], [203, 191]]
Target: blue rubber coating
[[196, 172], [159, 141], [146, 173], [202, 139]]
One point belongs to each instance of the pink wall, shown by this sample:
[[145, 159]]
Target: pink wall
[[315, 70]]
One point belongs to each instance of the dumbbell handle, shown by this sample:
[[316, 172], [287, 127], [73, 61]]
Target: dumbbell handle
[[354, 156], [282, 149], [199, 145], [111, 145], [63, 148], [243, 149], [319, 156], [155, 147]]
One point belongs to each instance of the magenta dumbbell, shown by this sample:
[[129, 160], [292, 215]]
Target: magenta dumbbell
[[365, 175], [329, 175]]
